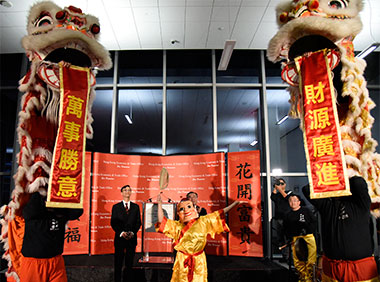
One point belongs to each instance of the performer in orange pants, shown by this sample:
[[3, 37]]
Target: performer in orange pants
[[43, 269]]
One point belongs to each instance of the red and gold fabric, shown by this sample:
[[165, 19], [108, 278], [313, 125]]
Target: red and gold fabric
[[66, 181], [362, 270], [189, 241], [322, 137]]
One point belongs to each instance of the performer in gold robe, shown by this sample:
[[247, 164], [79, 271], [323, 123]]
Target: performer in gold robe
[[190, 238]]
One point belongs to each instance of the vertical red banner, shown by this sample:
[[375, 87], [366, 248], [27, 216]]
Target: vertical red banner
[[245, 237], [77, 233], [322, 138], [203, 174], [65, 188]]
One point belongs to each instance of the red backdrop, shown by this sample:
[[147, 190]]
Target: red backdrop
[[203, 174]]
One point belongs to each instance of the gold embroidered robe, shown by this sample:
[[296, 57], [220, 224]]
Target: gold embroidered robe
[[189, 240]]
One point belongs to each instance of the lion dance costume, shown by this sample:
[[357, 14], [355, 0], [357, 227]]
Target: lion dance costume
[[320, 33], [57, 39]]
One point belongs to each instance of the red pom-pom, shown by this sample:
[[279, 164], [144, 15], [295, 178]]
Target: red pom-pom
[[95, 29], [75, 9], [61, 15], [313, 4], [284, 17]]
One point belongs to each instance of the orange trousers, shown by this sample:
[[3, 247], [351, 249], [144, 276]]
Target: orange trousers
[[349, 270], [42, 270]]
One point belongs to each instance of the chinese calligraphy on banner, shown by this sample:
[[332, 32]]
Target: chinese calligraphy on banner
[[78, 231], [245, 237], [66, 178], [322, 138]]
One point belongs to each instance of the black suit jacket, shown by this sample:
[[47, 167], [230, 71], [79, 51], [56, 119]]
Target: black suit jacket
[[123, 221]]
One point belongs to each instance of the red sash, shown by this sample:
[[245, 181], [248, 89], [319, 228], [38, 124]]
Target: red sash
[[190, 263]]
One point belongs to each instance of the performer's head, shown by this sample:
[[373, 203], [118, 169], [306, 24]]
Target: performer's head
[[294, 202], [280, 183], [126, 192], [193, 196], [186, 210]]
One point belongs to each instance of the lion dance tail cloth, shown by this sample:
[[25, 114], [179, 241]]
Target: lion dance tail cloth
[[58, 42], [309, 26]]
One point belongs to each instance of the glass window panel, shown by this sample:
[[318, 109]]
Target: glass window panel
[[244, 67], [372, 71], [106, 76], [189, 121], [10, 69], [238, 112], [101, 112], [273, 72], [286, 139], [140, 67], [189, 66], [8, 113], [144, 134]]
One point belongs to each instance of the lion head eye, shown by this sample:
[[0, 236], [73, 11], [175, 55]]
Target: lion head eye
[[43, 20], [339, 4]]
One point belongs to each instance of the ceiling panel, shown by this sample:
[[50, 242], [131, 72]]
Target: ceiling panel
[[172, 3], [243, 33], [202, 14], [13, 19], [173, 31], [251, 14], [150, 35], [217, 35], [224, 13], [172, 14], [196, 34], [145, 14], [263, 34]]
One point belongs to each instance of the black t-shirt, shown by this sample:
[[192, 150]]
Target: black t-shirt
[[45, 228], [281, 207], [346, 222], [299, 222]]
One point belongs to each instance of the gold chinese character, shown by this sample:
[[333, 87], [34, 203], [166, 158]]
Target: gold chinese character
[[327, 174], [71, 131], [323, 145], [74, 106], [314, 94], [319, 118], [69, 159], [67, 186]]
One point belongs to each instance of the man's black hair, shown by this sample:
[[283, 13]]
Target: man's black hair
[[302, 203], [191, 192], [124, 187], [276, 181]]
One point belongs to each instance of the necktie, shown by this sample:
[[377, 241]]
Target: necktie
[[126, 208]]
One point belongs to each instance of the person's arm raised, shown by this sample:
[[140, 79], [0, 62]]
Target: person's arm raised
[[160, 212], [228, 208]]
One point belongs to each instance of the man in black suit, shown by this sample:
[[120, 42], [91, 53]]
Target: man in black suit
[[125, 221]]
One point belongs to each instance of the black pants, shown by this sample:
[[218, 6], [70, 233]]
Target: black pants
[[280, 238], [124, 251]]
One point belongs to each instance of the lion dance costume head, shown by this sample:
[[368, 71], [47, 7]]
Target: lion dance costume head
[[69, 37], [306, 26]]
